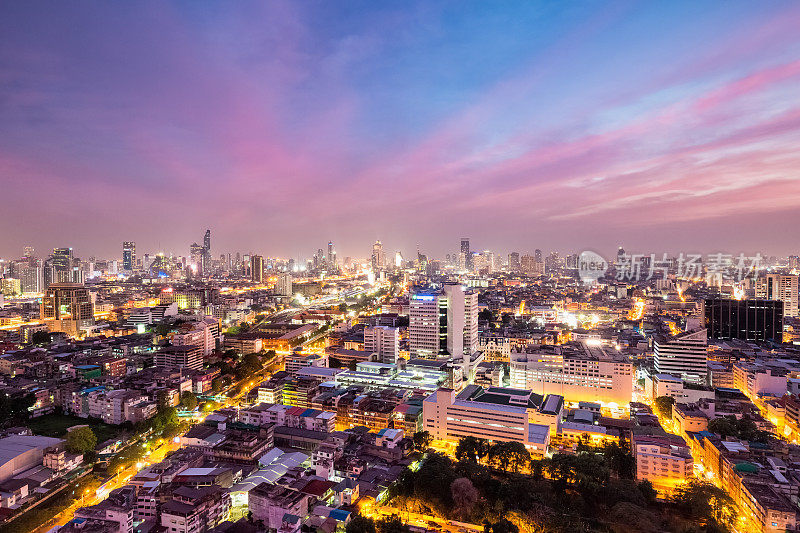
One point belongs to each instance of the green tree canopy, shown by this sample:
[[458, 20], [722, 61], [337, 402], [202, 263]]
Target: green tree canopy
[[188, 400], [663, 406], [81, 440]]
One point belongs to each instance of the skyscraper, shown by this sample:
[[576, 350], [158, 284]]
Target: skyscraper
[[67, 307], [750, 320], [196, 253], [331, 255], [443, 323], [128, 255], [207, 252], [257, 269], [283, 287], [513, 262], [684, 355], [466, 253], [378, 259], [783, 287]]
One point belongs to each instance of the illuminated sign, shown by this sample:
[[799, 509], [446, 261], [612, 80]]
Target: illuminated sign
[[425, 298]]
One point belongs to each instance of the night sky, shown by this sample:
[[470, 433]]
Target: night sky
[[661, 126]]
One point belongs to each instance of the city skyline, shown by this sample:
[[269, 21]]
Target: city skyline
[[567, 127]]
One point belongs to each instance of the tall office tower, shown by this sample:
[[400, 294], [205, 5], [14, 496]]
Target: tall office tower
[[383, 341], [28, 252], [196, 253], [378, 259], [684, 355], [283, 287], [466, 252], [10, 287], [257, 269], [207, 252], [783, 287], [552, 263], [530, 266], [66, 307], [749, 320], [30, 275], [330, 254], [537, 255], [443, 323], [128, 255], [513, 262], [427, 325], [398, 259], [462, 320]]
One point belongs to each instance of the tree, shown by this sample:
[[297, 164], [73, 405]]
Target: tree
[[188, 401], [391, 524], [519, 456], [723, 426], [472, 449], [485, 316], [40, 337], [81, 440], [422, 440], [361, 524], [216, 384], [620, 460], [663, 405], [705, 502], [464, 494]]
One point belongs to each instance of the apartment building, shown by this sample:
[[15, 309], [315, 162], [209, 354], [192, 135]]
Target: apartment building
[[383, 341], [683, 355], [496, 414], [579, 372], [665, 461]]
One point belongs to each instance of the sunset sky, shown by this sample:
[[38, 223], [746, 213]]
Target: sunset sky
[[661, 126]]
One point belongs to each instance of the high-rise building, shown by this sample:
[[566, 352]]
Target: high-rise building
[[283, 286], [750, 320], [537, 255], [466, 253], [128, 255], [378, 258], [513, 262], [794, 262], [196, 256], [783, 287], [443, 323], [28, 252], [207, 253], [331, 259], [62, 267], [67, 307], [10, 287], [530, 266], [684, 355], [257, 268], [383, 341], [581, 373], [30, 275]]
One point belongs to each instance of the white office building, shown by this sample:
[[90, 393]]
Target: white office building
[[684, 355], [782, 287], [443, 323], [384, 341]]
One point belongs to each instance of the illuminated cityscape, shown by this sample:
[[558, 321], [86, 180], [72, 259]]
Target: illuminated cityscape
[[399, 267]]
